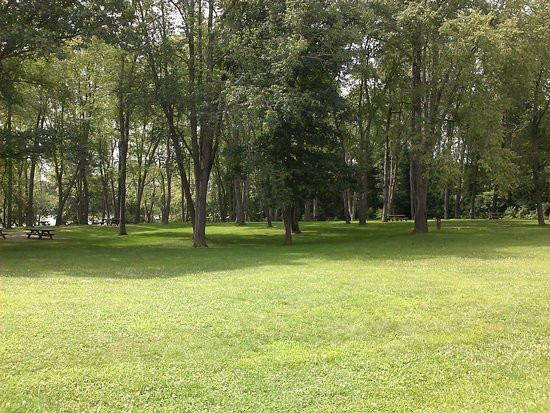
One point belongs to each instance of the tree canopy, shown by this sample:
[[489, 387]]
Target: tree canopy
[[224, 110]]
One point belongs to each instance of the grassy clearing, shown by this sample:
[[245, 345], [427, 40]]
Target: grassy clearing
[[347, 319]]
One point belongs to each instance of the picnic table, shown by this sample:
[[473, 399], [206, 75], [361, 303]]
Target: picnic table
[[496, 215], [2, 234], [109, 221], [40, 232], [397, 217]]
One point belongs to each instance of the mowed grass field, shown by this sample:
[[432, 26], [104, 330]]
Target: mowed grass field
[[349, 319]]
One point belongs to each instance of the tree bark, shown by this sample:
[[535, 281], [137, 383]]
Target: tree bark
[[124, 129], [307, 210], [315, 208], [268, 213], [287, 221], [536, 167], [421, 191], [345, 200], [418, 172], [30, 201], [199, 233], [9, 166], [446, 198], [474, 190], [239, 201], [168, 193], [295, 221], [458, 196]]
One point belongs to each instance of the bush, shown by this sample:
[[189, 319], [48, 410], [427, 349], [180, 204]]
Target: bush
[[520, 212]]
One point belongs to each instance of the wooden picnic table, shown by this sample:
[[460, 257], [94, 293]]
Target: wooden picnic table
[[397, 217], [109, 221], [40, 232], [2, 234]]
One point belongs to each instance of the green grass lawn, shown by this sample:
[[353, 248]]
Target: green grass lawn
[[358, 319]]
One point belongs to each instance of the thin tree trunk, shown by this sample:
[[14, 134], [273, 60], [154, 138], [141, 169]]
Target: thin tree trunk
[[124, 126], [287, 221], [474, 190], [268, 212], [30, 201], [537, 181], [446, 202], [20, 193], [9, 220], [387, 169], [239, 210], [199, 234], [315, 208], [168, 193], [419, 179], [345, 199], [295, 224], [412, 191], [307, 210]]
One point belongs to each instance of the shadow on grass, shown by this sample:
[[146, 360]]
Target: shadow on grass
[[163, 251]]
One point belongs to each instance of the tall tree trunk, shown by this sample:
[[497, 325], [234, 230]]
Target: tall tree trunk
[[458, 196], [387, 168], [239, 197], [307, 210], [9, 219], [123, 153], [363, 199], [287, 221], [63, 196], [85, 193], [199, 233], [418, 167], [421, 190], [295, 224], [168, 193], [412, 191], [268, 213], [9, 165], [124, 129], [536, 167], [345, 200], [105, 191], [315, 208], [20, 193], [446, 197], [114, 196], [139, 199], [473, 192], [30, 201]]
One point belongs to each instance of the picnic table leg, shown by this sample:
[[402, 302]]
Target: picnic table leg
[[28, 235]]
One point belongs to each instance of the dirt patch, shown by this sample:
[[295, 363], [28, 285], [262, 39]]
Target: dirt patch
[[22, 237]]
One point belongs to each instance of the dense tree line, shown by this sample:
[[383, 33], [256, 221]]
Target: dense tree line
[[225, 110]]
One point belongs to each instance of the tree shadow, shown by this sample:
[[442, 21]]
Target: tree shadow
[[159, 251]]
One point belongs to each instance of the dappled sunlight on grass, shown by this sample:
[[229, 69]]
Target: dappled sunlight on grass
[[370, 318]]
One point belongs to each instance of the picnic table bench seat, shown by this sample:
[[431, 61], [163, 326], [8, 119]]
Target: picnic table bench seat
[[109, 221], [397, 217], [40, 232]]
